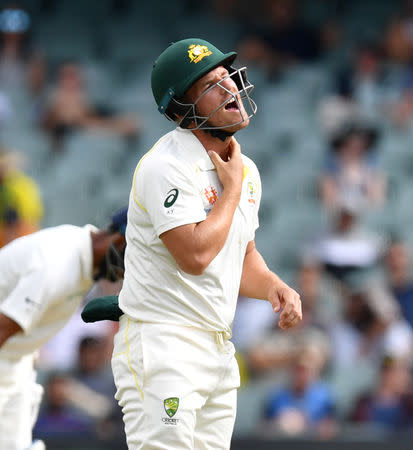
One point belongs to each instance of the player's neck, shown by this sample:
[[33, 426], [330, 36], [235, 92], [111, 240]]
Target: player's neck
[[213, 143]]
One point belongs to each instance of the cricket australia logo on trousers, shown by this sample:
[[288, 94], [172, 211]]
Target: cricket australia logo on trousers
[[171, 406]]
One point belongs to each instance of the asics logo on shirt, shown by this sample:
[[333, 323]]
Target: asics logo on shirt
[[171, 197]]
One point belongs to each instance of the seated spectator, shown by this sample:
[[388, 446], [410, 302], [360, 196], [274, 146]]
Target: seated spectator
[[271, 352], [92, 379], [93, 368], [358, 91], [398, 39], [347, 248], [68, 109], [351, 173], [371, 327], [389, 404], [305, 404], [246, 331], [400, 111], [21, 208], [319, 295], [57, 416], [14, 45], [281, 38], [398, 267], [22, 68], [338, 108]]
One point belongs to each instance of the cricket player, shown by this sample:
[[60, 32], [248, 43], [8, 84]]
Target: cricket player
[[193, 212], [43, 278]]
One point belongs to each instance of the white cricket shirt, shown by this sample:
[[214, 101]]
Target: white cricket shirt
[[43, 277], [175, 184]]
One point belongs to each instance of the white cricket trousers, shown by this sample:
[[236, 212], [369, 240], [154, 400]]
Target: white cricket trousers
[[20, 398], [177, 386]]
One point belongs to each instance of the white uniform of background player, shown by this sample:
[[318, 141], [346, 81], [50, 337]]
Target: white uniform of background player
[[173, 363], [43, 278]]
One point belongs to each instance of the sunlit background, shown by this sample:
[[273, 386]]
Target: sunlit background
[[333, 140]]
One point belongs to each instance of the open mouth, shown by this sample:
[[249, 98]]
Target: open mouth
[[232, 106]]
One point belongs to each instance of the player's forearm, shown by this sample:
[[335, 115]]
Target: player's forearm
[[210, 235], [257, 278], [8, 328]]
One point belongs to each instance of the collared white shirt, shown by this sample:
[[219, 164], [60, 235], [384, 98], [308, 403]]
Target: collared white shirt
[[43, 278], [176, 184]]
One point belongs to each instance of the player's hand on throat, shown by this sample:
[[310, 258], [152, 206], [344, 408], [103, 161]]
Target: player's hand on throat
[[231, 172]]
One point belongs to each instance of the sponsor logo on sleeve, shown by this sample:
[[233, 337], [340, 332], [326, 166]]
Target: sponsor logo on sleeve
[[171, 197]]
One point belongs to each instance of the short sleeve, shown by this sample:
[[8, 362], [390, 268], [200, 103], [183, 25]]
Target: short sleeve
[[258, 202], [255, 192], [169, 196], [27, 302]]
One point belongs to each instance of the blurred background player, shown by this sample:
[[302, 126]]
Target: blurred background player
[[43, 277]]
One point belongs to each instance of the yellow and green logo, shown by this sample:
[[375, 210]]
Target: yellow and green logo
[[171, 405], [198, 52]]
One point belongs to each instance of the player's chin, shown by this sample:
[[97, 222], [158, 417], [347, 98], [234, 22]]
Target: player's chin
[[239, 126]]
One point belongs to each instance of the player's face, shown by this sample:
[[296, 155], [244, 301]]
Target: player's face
[[210, 99]]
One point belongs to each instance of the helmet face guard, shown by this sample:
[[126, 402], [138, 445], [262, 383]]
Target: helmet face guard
[[189, 117]]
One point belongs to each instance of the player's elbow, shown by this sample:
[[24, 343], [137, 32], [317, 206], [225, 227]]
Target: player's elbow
[[194, 265], [8, 328]]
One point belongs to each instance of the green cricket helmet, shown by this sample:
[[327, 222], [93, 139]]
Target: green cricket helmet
[[180, 66]]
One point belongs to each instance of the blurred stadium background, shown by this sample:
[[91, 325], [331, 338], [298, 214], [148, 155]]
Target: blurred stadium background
[[333, 140]]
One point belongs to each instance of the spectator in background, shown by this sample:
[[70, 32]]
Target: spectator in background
[[21, 208], [20, 65], [347, 248], [68, 109], [400, 111], [397, 261], [338, 108], [271, 351], [93, 367], [368, 79], [14, 45], [351, 174], [358, 92], [92, 379], [57, 415], [389, 404], [281, 39], [305, 404], [371, 327], [398, 40], [246, 331]]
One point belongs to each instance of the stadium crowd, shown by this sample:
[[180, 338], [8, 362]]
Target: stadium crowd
[[333, 141]]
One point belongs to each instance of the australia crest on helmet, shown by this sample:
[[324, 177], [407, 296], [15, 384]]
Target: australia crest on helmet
[[197, 52]]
